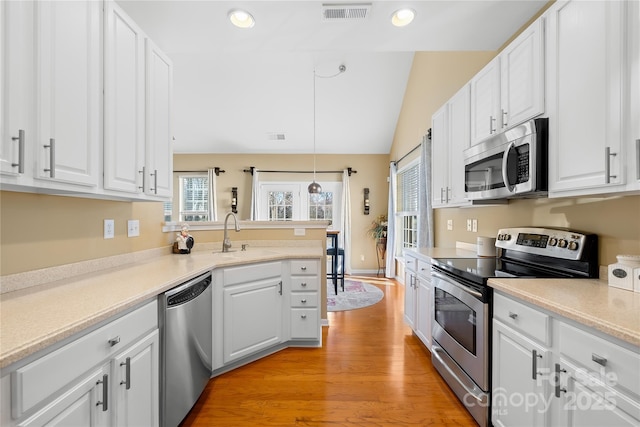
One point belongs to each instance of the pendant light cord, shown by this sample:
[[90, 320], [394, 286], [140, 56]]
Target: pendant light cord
[[314, 125]]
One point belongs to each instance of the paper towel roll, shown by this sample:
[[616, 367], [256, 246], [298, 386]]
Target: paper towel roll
[[486, 246]]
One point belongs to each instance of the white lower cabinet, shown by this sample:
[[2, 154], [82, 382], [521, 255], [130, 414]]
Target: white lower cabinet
[[418, 302], [107, 377], [305, 311], [550, 371]]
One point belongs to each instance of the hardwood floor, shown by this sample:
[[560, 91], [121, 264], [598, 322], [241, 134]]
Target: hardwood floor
[[371, 371]]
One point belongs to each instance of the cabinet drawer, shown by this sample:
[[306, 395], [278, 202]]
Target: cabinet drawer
[[42, 378], [305, 323], [410, 263], [618, 365], [251, 273], [305, 283], [424, 269], [523, 318], [307, 299], [305, 266]]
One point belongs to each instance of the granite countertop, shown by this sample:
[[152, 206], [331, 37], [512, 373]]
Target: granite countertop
[[591, 302], [37, 317]]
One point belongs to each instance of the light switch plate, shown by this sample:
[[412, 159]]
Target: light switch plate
[[449, 224], [133, 228], [468, 225], [109, 228], [474, 225]]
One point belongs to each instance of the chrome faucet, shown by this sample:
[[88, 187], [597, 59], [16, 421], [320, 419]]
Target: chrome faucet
[[226, 242]]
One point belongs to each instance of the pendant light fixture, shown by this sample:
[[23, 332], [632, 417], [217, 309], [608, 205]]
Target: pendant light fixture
[[314, 187]]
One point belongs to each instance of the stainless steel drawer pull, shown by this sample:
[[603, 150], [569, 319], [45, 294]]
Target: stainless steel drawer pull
[[303, 268], [534, 364], [557, 381], [599, 359], [303, 316], [105, 393], [52, 158], [303, 284], [303, 301], [20, 139], [513, 315], [127, 374], [114, 341]]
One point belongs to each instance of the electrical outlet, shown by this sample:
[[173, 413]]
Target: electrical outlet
[[449, 224], [474, 226], [133, 228], [109, 228], [361, 257], [468, 225]]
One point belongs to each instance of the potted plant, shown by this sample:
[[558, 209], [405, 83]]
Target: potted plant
[[378, 229]]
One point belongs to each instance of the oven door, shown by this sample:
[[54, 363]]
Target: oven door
[[461, 325]]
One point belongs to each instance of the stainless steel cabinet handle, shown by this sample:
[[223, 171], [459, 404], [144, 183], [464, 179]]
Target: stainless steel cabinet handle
[[105, 393], [143, 177], [491, 128], [448, 192], [534, 364], [504, 118], [607, 165], [52, 158], [441, 195], [20, 139], [303, 284], [637, 158], [303, 301], [113, 341], [513, 315], [127, 374], [303, 316], [155, 181], [280, 287], [599, 359], [557, 380], [303, 268]]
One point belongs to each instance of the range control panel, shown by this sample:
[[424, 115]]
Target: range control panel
[[556, 243]]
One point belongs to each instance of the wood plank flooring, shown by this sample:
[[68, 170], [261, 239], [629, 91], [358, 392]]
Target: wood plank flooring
[[371, 371]]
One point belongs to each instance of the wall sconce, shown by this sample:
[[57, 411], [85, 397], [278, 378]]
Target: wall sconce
[[234, 199], [366, 201]]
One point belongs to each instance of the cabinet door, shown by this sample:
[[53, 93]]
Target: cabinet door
[[85, 404], [520, 390], [424, 310], [633, 94], [136, 389], [585, 64], [69, 92], [124, 117], [459, 140], [410, 299], [522, 77], [439, 157], [252, 317], [16, 83], [159, 133], [485, 102]]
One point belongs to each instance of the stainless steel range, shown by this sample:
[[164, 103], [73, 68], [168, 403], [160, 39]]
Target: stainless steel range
[[461, 349]]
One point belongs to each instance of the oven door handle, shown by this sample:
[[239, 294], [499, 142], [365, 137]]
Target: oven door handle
[[457, 285]]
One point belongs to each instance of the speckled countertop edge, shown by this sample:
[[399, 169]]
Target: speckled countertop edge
[[591, 302], [34, 318]]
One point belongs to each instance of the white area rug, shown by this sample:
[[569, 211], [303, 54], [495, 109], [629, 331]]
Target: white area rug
[[356, 295]]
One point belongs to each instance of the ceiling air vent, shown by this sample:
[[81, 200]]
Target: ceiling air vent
[[340, 12], [275, 136]]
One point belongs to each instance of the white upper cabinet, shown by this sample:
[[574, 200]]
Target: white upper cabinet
[[159, 133], [510, 89], [632, 139], [439, 157], [585, 86], [69, 90], [124, 113]]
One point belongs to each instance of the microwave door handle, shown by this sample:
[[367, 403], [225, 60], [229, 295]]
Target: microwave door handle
[[505, 163]]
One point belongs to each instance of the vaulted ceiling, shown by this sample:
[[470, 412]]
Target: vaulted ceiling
[[252, 90]]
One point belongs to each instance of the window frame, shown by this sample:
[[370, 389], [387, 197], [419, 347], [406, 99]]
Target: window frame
[[407, 221]]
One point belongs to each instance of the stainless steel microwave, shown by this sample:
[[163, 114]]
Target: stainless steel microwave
[[511, 164]]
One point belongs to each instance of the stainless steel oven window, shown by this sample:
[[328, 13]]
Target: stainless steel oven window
[[456, 318]]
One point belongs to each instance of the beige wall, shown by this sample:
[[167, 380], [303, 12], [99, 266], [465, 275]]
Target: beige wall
[[372, 172]]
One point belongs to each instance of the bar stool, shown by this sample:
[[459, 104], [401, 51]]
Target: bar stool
[[337, 275]]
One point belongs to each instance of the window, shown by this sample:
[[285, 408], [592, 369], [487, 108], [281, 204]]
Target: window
[[194, 198], [407, 209], [321, 206], [280, 205]]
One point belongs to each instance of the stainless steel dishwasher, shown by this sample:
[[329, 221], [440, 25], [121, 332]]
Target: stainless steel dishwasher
[[186, 357]]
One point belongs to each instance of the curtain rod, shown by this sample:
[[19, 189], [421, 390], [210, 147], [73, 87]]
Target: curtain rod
[[253, 168], [428, 135], [217, 170]]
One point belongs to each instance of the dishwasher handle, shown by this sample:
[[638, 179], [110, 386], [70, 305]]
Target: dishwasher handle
[[188, 291]]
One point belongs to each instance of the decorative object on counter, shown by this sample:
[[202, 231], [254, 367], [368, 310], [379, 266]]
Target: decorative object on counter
[[234, 200], [486, 246], [625, 274], [366, 201], [184, 241], [378, 231], [356, 295]]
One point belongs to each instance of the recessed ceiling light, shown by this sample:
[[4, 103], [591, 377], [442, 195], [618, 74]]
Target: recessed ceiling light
[[241, 18], [402, 17]]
